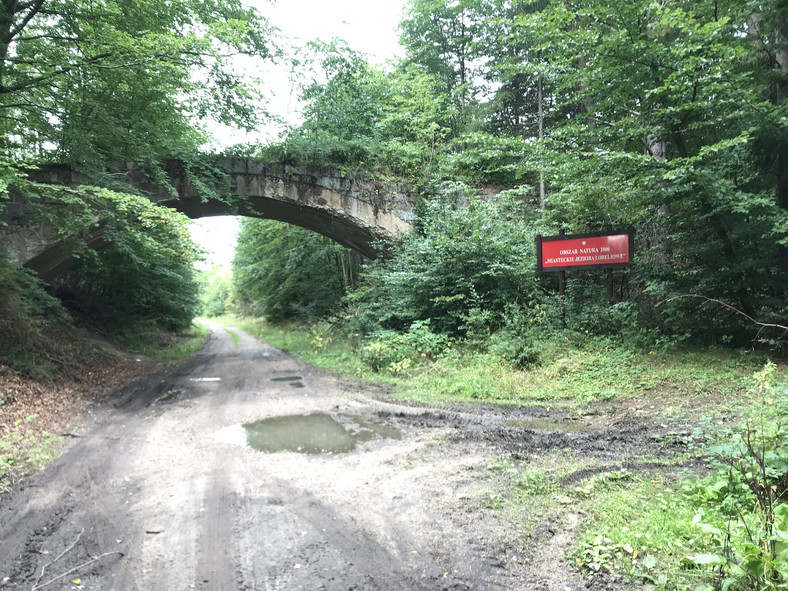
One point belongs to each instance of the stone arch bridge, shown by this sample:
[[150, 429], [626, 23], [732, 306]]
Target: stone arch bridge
[[354, 211]]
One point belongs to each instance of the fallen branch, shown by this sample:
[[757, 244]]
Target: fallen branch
[[76, 568], [61, 555], [39, 585], [736, 310]]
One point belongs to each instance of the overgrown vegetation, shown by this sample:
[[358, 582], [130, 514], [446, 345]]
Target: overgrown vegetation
[[528, 96], [28, 315], [284, 272], [89, 85]]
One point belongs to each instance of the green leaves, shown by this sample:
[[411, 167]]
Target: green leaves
[[468, 262], [145, 274], [283, 272], [88, 82]]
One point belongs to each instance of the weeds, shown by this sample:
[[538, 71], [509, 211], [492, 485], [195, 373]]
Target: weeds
[[24, 454], [726, 531], [640, 530], [155, 342], [745, 501], [588, 370]]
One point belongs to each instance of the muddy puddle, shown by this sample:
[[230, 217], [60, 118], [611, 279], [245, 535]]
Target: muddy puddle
[[316, 433], [292, 381], [171, 395]]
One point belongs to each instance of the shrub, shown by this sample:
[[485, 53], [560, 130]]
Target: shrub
[[469, 260], [396, 352]]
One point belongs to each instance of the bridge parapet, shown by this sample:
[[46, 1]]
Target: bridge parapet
[[356, 211]]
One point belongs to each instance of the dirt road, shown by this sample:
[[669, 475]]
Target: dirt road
[[164, 489], [164, 482]]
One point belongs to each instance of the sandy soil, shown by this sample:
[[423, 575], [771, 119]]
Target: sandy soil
[[155, 493]]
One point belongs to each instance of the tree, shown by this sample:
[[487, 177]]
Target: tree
[[767, 31], [470, 262], [441, 38], [663, 104], [358, 117], [88, 82], [514, 68], [415, 123], [341, 95], [216, 291], [284, 272], [145, 274]]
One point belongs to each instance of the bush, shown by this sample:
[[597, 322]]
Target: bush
[[396, 352], [745, 501], [470, 259], [29, 319]]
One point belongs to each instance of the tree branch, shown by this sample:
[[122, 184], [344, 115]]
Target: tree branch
[[34, 7], [735, 310], [75, 569], [96, 59], [61, 555]]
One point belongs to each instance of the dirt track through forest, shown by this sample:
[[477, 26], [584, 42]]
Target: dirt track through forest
[[160, 491]]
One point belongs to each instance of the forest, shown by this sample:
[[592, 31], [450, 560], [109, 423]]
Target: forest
[[511, 119], [520, 119]]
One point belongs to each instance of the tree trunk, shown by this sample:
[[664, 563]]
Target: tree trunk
[[781, 93], [541, 137], [778, 60], [6, 26]]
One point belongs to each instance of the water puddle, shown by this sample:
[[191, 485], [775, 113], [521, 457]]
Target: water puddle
[[369, 431], [543, 425], [317, 433], [292, 381], [171, 395], [205, 379]]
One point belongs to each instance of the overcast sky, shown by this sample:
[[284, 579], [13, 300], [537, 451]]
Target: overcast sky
[[369, 26]]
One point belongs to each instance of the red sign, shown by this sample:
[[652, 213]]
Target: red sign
[[577, 251]]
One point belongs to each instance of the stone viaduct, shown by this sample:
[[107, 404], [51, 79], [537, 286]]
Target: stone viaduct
[[356, 212]]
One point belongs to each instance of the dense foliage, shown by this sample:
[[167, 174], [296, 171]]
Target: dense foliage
[[284, 272], [469, 264], [27, 315], [88, 84], [144, 275], [669, 118]]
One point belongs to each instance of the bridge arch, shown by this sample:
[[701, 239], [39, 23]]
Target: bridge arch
[[354, 211]]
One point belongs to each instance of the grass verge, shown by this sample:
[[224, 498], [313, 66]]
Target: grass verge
[[24, 454], [154, 342], [573, 372], [658, 528]]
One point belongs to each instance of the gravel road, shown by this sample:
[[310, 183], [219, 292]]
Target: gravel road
[[161, 491]]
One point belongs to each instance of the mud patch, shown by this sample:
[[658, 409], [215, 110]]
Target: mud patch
[[544, 425], [526, 434]]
